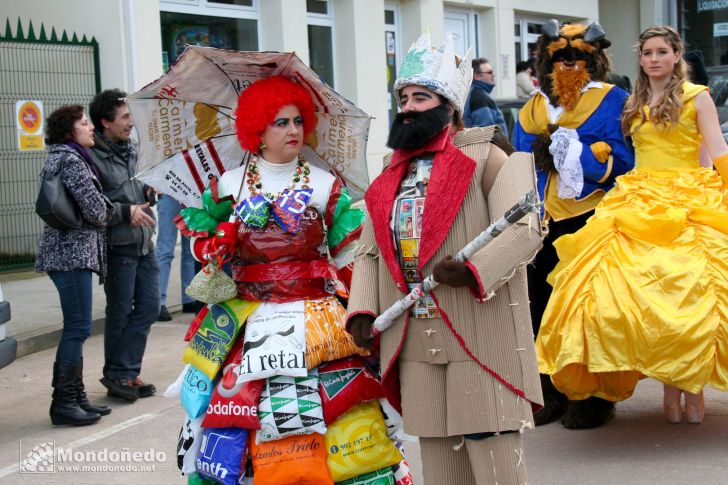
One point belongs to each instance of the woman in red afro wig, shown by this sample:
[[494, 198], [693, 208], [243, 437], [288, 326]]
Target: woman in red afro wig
[[259, 104]]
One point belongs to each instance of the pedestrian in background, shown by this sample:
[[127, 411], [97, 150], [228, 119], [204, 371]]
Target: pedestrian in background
[[480, 109], [167, 210], [525, 85], [132, 288], [70, 256]]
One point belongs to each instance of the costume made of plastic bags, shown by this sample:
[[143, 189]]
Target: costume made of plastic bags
[[290, 271]]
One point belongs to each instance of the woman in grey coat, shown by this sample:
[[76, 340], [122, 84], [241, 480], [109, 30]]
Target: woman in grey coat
[[71, 256]]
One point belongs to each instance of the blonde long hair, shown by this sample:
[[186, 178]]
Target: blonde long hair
[[669, 106]]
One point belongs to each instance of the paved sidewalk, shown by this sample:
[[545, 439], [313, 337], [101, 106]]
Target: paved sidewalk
[[36, 310]]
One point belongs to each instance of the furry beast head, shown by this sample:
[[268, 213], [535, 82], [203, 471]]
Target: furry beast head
[[570, 43]]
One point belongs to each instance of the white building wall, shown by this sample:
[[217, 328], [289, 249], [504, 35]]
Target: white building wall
[[129, 35]]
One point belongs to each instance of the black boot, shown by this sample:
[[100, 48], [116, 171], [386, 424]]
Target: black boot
[[589, 413], [554, 403], [82, 398], [64, 408]]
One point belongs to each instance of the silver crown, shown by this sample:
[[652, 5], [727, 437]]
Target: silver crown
[[439, 70]]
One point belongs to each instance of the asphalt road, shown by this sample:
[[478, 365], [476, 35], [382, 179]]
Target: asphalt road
[[637, 447]]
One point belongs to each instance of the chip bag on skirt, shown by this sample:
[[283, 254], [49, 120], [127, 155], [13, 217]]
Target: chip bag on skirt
[[402, 475], [326, 335], [290, 406], [234, 405], [188, 445], [275, 342], [296, 460], [357, 443], [385, 476], [222, 455], [209, 347], [174, 389], [196, 392], [196, 322], [345, 383]]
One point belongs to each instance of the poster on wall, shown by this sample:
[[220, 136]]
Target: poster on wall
[[29, 125]]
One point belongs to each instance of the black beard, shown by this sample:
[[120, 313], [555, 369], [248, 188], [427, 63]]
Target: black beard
[[423, 126]]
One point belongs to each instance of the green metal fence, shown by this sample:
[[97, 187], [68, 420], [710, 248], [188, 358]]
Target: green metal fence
[[56, 71]]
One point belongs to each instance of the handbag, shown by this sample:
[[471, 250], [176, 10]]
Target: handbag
[[55, 204], [211, 285]]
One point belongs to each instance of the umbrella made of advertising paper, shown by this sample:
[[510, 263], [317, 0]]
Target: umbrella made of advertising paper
[[186, 121]]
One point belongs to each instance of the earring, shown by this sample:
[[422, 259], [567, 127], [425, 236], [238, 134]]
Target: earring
[[262, 146]]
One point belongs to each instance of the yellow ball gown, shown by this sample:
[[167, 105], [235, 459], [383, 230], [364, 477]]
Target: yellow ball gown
[[642, 289]]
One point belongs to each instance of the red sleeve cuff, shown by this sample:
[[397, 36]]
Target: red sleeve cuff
[[479, 292]]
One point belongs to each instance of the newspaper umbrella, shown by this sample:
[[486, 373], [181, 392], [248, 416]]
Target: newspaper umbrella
[[527, 203], [186, 121]]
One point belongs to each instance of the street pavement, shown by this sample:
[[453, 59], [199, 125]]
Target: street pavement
[[637, 447]]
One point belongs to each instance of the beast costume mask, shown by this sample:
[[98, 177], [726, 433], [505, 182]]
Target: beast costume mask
[[568, 58]]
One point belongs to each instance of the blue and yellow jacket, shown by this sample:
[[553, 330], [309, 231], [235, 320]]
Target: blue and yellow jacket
[[596, 118]]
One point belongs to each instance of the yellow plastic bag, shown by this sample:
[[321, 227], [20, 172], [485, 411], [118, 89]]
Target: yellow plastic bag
[[209, 347], [357, 443], [326, 335]]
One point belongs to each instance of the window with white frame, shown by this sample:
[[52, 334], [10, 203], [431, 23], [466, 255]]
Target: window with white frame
[[227, 24], [526, 33], [320, 21]]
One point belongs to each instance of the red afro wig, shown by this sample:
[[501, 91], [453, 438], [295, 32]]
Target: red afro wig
[[259, 104]]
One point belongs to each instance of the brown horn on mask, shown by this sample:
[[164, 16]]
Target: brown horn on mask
[[594, 33], [551, 29]]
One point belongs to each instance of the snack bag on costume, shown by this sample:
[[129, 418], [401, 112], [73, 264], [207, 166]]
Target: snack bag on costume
[[275, 342], [385, 476], [345, 383], [296, 460], [222, 454], [357, 443], [326, 335], [401, 471], [188, 445], [175, 389], [196, 322], [290, 406], [196, 479], [209, 347], [196, 392], [234, 405]]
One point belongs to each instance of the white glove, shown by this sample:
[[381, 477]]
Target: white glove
[[566, 149]]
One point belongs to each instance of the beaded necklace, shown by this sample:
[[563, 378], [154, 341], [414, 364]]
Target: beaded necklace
[[255, 186]]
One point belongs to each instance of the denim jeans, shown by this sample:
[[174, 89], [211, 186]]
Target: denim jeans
[[132, 305], [167, 210], [74, 289]]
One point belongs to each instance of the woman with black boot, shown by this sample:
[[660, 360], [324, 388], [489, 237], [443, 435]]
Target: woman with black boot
[[70, 255]]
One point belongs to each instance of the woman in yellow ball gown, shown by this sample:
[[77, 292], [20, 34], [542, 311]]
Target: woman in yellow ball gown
[[642, 289]]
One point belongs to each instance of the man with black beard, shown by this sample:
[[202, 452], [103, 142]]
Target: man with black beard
[[460, 365]]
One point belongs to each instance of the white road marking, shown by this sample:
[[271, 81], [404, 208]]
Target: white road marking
[[91, 438]]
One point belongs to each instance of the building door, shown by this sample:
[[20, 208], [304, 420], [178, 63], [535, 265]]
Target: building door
[[463, 24]]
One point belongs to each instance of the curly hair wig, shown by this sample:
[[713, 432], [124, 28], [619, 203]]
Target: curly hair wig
[[259, 104]]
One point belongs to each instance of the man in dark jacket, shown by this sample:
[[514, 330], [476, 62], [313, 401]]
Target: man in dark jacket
[[132, 286], [480, 109]]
